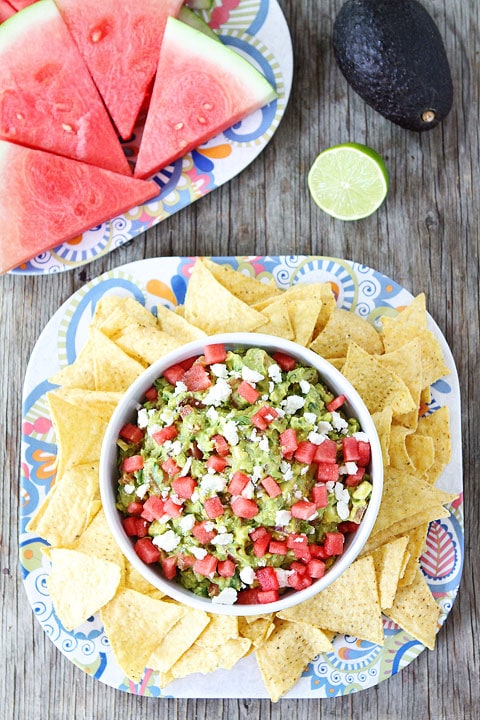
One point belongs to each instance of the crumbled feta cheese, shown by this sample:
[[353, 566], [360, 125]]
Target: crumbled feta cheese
[[304, 470], [310, 418], [292, 403], [316, 438], [143, 489], [338, 489], [351, 467], [209, 526], [212, 414], [219, 370], [304, 386], [282, 576], [153, 429], [251, 376], [247, 575], [230, 432], [176, 447], [298, 494], [179, 388], [186, 522], [338, 422], [167, 416], [198, 552], [342, 510], [282, 517], [222, 539], [218, 393], [195, 496], [288, 474], [284, 466], [361, 436], [257, 473], [249, 490], [324, 427], [330, 485], [186, 468], [167, 541], [129, 489], [212, 483], [271, 386], [228, 596], [142, 418], [263, 444], [275, 372]]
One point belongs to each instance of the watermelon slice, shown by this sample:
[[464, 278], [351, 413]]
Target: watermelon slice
[[47, 97], [6, 10], [20, 4], [202, 87], [46, 199], [120, 43]]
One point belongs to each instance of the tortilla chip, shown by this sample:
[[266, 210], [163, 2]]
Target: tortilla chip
[[437, 426], [178, 640], [333, 609], [277, 321], [78, 374], [399, 457], [69, 507], [114, 312], [257, 631], [378, 386], [284, 655], [135, 624], [135, 581], [219, 629], [407, 363], [415, 312], [98, 541], [303, 316], [404, 496], [416, 611], [114, 370], [416, 545], [79, 414], [211, 307], [421, 451], [404, 526], [389, 564], [146, 344], [173, 323], [245, 287], [200, 660], [397, 334], [80, 584], [383, 424], [342, 328]]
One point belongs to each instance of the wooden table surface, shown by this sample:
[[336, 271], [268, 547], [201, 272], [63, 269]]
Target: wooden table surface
[[426, 237]]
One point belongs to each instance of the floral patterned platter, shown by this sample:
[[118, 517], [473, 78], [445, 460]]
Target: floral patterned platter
[[353, 664], [257, 30]]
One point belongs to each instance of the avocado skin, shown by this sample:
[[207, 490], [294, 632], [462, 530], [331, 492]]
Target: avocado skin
[[392, 54]]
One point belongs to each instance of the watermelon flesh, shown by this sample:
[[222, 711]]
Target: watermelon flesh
[[202, 87], [47, 199], [6, 10], [20, 4], [47, 97], [120, 43]]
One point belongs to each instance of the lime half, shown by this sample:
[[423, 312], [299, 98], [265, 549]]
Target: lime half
[[348, 181]]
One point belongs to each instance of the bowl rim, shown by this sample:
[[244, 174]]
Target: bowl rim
[[129, 404]]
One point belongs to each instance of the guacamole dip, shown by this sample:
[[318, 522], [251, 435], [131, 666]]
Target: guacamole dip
[[242, 475]]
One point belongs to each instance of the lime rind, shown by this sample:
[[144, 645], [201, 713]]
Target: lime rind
[[348, 181]]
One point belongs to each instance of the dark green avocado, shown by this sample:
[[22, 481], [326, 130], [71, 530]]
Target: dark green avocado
[[392, 54]]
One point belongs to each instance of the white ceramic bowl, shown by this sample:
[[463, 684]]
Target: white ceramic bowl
[[126, 412]]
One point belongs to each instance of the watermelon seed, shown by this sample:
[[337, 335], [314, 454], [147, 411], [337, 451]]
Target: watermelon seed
[[96, 35], [201, 119], [179, 126], [67, 128]]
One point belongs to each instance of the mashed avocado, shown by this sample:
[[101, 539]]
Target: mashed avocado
[[242, 475]]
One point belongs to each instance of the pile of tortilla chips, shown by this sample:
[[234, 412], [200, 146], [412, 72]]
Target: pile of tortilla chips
[[392, 371]]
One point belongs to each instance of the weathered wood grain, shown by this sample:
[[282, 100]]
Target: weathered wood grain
[[426, 236]]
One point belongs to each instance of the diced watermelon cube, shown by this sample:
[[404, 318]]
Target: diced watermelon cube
[[248, 596], [147, 551], [355, 478], [184, 487], [206, 566], [336, 403], [305, 452], [364, 452], [135, 526], [260, 546], [131, 432], [244, 508], [132, 464], [215, 353], [213, 507], [326, 452], [167, 433], [303, 509], [277, 547], [153, 508], [248, 392], [174, 374], [238, 483], [271, 486], [284, 361], [203, 535], [172, 508], [350, 449], [151, 394], [169, 567], [217, 463], [288, 443], [258, 533], [221, 445], [347, 526], [267, 596], [319, 495], [333, 543], [267, 577], [196, 378], [316, 568], [135, 508], [226, 568], [327, 472], [171, 467], [259, 421]]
